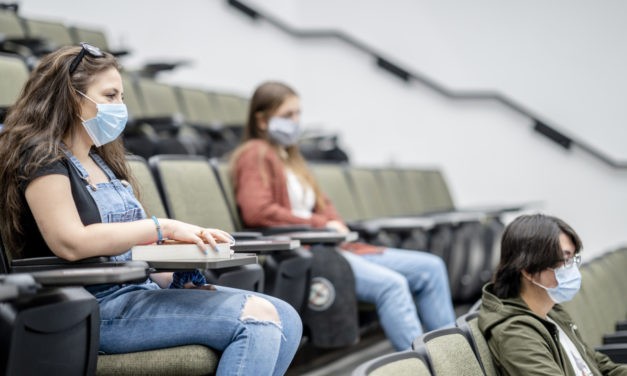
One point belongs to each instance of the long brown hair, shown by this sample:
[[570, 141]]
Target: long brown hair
[[266, 99], [45, 112]]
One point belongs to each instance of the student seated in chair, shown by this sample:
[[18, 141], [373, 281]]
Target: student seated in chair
[[528, 331], [274, 187], [65, 192]]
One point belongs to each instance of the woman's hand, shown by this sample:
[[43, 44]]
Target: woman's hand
[[184, 232], [337, 226]]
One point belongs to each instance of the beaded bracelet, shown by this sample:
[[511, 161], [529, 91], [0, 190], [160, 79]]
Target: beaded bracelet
[[159, 234]]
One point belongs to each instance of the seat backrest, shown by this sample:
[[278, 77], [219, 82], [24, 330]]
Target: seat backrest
[[222, 169], [199, 106], [582, 309], [334, 183], [395, 191], [159, 99], [368, 193], [131, 97], [92, 36], [616, 264], [469, 324], [449, 352], [234, 108], [416, 190], [191, 191], [439, 196], [406, 363], [148, 191], [11, 26], [54, 31], [14, 74]]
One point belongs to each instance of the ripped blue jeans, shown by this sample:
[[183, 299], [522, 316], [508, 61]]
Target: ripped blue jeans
[[152, 318]]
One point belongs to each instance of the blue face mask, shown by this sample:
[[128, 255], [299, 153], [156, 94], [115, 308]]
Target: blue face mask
[[108, 124], [568, 284], [283, 131]]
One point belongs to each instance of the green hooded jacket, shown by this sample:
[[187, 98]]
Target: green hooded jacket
[[523, 343]]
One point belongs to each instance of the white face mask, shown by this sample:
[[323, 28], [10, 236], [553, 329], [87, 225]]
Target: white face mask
[[568, 284], [284, 132], [108, 124]]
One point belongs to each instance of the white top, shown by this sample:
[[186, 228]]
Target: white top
[[576, 360], [302, 197]]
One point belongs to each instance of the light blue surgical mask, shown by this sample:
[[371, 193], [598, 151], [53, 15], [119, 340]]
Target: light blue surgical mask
[[108, 124], [568, 284], [284, 132]]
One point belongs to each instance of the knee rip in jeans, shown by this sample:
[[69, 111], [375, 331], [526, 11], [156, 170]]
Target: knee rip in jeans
[[260, 310]]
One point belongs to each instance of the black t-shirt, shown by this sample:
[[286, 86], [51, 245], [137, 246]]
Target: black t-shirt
[[34, 244]]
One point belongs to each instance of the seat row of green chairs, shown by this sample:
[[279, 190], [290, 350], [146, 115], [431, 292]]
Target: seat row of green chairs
[[169, 119], [163, 118], [194, 194], [200, 191], [413, 208], [32, 36], [599, 308]]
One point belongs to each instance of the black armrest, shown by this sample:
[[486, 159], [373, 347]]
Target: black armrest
[[261, 246], [615, 338], [621, 325], [616, 352], [161, 123], [118, 53], [151, 69], [14, 285], [36, 46], [50, 263], [77, 274], [455, 218], [246, 235], [319, 237], [277, 230], [111, 272], [371, 227]]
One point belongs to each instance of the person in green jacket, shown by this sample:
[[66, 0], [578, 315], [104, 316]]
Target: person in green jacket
[[527, 330]]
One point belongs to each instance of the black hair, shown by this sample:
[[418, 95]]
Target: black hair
[[530, 243]]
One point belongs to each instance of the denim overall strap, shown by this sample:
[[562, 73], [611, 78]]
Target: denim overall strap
[[115, 199]]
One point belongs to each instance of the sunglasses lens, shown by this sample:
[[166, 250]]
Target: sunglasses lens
[[92, 50]]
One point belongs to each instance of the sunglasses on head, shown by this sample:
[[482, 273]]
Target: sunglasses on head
[[86, 49]]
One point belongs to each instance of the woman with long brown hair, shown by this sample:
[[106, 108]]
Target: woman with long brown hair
[[274, 187], [66, 192]]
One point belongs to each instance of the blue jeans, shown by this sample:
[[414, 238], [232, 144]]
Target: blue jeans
[[396, 281], [143, 317]]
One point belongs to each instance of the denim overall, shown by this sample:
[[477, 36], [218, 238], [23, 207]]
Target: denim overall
[[139, 317], [117, 203], [115, 199]]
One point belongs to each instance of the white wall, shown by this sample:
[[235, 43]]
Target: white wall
[[561, 59]]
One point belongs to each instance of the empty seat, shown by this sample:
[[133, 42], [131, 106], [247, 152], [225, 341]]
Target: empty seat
[[55, 32], [202, 111], [14, 74], [95, 37], [234, 108], [14, 36]]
